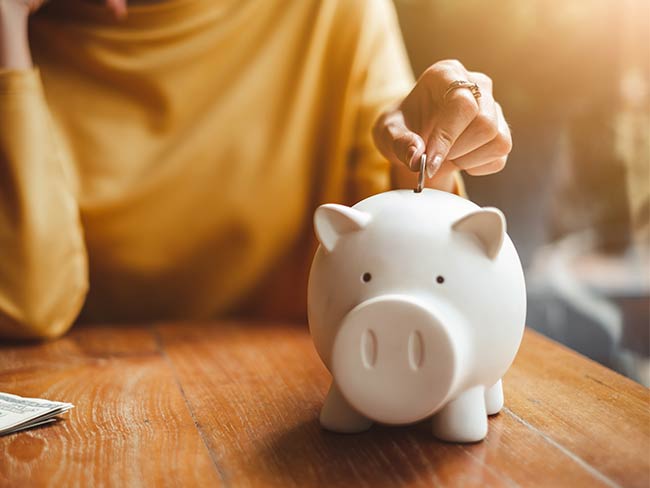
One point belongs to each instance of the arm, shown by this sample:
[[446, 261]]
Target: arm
[[43, 269], [14, 46]]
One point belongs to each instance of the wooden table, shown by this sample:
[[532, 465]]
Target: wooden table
[[237, 404]]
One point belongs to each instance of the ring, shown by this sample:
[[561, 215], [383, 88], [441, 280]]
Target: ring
[[463, 84], [423, 164]]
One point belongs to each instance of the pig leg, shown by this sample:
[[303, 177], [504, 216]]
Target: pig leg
[[337, 415], [494, 398], [464, 419]]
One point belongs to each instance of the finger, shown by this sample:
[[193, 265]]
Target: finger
[[117, 7], [458, 110], [445, 177], [484, 127], [499, 146], [489, 168], [396, 142], [446, 168]]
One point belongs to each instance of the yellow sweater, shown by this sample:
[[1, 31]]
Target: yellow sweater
[[174, 160]]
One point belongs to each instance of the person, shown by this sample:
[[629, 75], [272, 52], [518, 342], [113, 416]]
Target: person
[[162, 160]]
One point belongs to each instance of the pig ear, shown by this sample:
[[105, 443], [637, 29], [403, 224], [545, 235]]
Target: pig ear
[[332, 221], [488, 225]]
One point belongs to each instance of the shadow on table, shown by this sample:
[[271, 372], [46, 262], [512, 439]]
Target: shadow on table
[[383, 456]]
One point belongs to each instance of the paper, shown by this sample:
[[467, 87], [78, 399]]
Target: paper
[[18, 413]]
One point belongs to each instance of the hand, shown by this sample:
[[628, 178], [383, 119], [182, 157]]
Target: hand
[[457, 132], [14, 43], [26, 7], [19, 8]]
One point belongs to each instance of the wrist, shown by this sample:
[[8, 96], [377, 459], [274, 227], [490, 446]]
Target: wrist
[[13, 14], [14, 44]]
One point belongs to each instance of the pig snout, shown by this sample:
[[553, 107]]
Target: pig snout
[[394, 360]]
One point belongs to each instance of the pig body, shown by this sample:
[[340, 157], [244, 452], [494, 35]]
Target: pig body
[[417, 306]]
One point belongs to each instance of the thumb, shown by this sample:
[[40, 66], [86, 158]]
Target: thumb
[[396, 141]]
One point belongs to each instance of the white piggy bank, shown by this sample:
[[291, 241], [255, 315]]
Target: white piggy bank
[[417, 305]]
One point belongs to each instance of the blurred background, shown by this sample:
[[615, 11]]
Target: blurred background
[[573, 77]]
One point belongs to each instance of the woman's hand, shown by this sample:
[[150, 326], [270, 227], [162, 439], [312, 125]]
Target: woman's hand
[[457, 131], [117, 7], [14, 44]]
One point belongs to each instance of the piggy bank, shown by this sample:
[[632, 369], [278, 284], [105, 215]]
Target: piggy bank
[[417, 305]]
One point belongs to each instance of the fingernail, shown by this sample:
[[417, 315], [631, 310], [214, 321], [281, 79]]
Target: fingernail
[[434, 165], [410, 156]]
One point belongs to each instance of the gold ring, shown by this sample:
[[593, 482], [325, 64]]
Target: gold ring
[[473, 87]]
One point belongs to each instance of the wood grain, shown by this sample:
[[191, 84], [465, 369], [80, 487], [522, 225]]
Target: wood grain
[[130, 425], [236, 404], [599, 416], [264, 386]]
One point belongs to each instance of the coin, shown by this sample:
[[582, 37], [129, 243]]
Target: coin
[[423, 166]]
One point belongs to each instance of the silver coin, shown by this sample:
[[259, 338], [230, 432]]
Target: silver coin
[[423, 165]]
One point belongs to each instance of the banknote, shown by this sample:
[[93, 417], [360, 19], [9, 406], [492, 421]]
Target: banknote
[[19, 413]]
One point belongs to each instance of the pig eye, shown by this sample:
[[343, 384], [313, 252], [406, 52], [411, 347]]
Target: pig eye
[[440, 279], [366, 277]]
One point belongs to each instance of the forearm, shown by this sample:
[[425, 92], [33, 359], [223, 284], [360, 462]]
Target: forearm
[[14, 43]]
